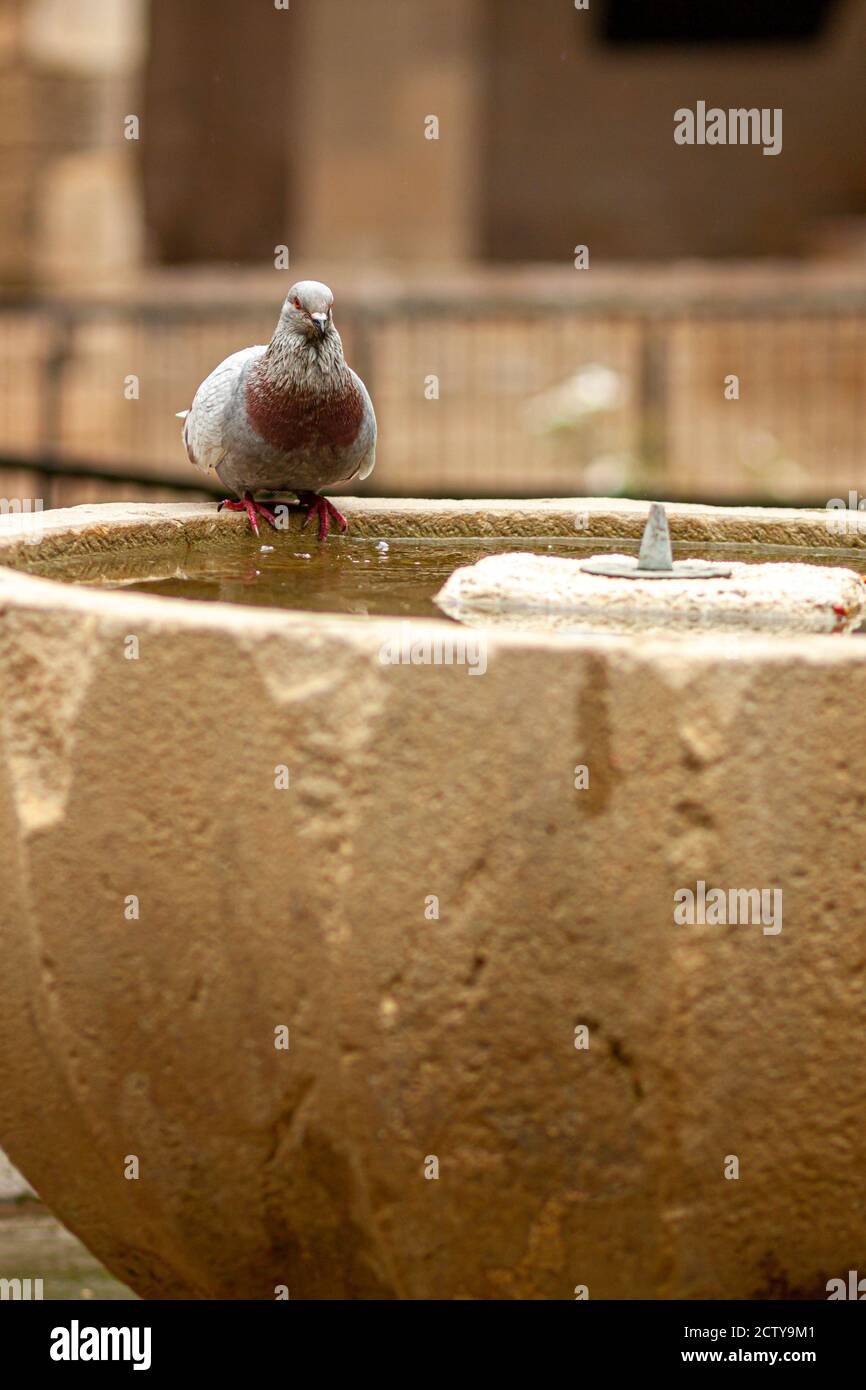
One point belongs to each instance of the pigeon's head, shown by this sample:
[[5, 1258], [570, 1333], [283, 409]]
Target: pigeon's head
[[307, 310]]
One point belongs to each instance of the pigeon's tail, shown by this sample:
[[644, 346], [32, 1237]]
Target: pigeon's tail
[[181, 414]]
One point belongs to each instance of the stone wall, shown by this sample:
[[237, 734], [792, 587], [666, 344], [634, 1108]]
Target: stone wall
[[72, 209], [581, 146], [306, 126]]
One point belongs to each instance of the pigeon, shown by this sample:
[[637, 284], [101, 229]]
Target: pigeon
[[291, 416]]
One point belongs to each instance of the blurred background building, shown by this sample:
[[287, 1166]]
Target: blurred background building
[[170, 167]]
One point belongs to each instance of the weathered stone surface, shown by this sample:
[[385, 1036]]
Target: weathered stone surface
[[93, 529], [548, 591], [732, 760]]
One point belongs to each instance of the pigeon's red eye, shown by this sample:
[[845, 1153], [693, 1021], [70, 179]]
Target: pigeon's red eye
[[297, 303]]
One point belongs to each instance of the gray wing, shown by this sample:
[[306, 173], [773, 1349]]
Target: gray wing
[[368, 462], [203, 425]]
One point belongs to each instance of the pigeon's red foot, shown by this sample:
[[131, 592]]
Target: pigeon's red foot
[[252, 508], [324, 510]]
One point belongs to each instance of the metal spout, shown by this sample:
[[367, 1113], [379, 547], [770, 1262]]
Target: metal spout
[[655, 547]]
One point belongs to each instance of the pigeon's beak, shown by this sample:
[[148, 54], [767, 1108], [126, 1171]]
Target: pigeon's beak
[[321, 322]]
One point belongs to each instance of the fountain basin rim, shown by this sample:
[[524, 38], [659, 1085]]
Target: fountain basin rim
[[382, 518], [70, 535]]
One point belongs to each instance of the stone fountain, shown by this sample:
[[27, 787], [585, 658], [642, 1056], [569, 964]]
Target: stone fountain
[[349, 979]]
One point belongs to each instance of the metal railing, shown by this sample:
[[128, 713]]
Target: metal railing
[[759, 397]]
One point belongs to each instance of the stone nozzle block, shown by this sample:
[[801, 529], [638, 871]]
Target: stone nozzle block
[[550, 593]]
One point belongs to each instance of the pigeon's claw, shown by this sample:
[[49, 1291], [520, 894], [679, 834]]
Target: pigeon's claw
[[252, 508], [324, 510]]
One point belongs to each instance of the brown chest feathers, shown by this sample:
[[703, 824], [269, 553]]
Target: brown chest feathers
[[296, 417]]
